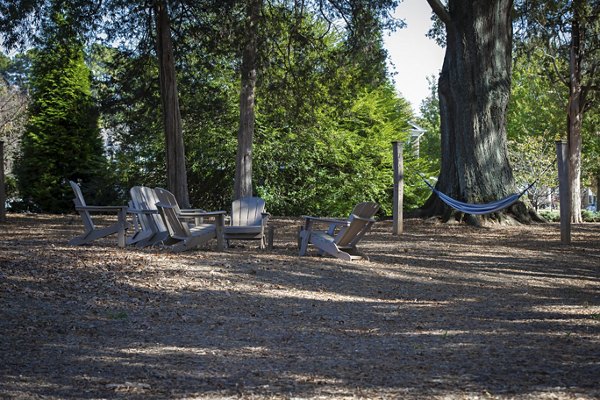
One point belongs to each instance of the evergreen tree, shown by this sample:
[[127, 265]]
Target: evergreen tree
[[62, 139]]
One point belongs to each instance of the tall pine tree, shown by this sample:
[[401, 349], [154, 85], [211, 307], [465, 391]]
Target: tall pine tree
[[62, 140]]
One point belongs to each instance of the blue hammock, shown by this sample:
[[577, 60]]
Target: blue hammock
[[478, 209]]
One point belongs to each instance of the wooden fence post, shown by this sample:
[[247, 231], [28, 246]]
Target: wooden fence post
[[397, 226], [562, 155]]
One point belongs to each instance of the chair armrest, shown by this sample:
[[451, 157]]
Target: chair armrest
[[191, 210], [336, 221], [210, 213], [265, 218], [203, 214], [101, 208], [194, 213], [363, 219], [138, 211]]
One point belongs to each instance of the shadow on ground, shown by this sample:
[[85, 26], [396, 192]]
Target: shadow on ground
[[443, 311]]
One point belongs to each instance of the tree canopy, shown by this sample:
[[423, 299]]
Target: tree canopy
[[62, 139], [324, 110], [569, 33], [323, 97]]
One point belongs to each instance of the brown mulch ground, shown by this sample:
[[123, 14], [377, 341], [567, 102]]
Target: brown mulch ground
[[443, 311]]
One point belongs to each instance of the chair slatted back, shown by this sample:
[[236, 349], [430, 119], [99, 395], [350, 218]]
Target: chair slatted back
[[145, 198], [80, 202], [167, 206], [150, 198], [138, 203], [164, 196], [247, 211], [349, 235]]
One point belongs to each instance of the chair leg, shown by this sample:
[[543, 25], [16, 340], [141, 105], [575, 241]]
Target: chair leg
[[304, 239]]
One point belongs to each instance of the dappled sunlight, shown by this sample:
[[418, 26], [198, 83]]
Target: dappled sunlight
[[435, 313]]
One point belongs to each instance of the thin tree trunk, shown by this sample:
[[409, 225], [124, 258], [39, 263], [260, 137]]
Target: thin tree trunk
[[176, 170], [575, 120], [243, 165], [474, 88], [598, 192], [2, 183]]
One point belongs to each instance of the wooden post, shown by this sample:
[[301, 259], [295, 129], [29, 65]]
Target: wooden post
[[397, 227], [562, 155], [270, 237], [2, 185]]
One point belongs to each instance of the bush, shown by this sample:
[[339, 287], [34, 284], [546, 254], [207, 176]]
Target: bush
[[590, 216], [550, 216], [554, 216]]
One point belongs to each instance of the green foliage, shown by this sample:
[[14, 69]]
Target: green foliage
[[430, 147], [127, 87], [550, 216], [326, 114], [591, 149], [322, 140], [554, 216], [590, 216], [564, 36], [4, 64], [537, 104], [337, 163], [535, 119], [62, 140]]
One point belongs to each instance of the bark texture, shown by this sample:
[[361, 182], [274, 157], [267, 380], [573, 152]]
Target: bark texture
[[474, 89], [2, 190], [243, 165], [575, 117], [176, 169]]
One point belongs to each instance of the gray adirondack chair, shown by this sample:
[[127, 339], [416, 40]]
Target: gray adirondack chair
[[91, 231], [183, 234], [248, 221], [150, 227], [343, 235]]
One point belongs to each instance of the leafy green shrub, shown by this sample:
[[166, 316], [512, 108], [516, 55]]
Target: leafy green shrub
[[550, 216], [590, 216], [554, 216]]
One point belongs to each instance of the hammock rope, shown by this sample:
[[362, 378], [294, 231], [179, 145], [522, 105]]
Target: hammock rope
[[478, 209]]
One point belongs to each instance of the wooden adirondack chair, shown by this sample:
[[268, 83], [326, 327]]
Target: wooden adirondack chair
[[248, 221], [184, 235], [150, 227], [91, 231], [341, 238]]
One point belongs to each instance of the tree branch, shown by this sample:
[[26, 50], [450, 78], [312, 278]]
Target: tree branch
[[439, 9]]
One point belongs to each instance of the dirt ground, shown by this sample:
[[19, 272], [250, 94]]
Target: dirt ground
[[440, 312]]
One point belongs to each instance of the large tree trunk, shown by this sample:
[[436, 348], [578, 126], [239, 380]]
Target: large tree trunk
[[243, 164], [474, 88], [176, 170], [575, 119]]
